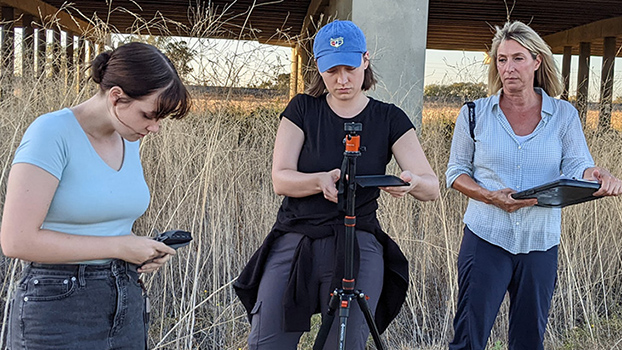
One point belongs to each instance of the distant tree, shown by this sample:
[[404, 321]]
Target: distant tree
[[280, 82], [461, 91], [181, 55], [178, 51]]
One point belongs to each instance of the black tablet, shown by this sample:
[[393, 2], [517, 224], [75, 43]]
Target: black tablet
[[380, 181], [561, 192]]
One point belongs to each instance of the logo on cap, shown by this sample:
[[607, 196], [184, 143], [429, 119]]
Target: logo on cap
[[336, 42]]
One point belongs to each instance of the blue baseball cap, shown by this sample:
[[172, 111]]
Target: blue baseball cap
[[339, 43]]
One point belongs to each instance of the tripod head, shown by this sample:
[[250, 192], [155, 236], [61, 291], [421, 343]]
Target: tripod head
[[352, 139], [353, 127]]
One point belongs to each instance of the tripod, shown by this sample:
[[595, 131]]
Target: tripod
[[342, 297]]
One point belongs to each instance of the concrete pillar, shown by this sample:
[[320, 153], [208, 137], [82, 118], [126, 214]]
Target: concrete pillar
[[100, 48], [80, 47], [91, 55], [566, 71], [69, 54], [583, 79], [606, 85], [301, 80], [306, 62], [341, 9], [56, 50], [41, 50], [396, 39], [8, 41], [28, 45], [293, 76]]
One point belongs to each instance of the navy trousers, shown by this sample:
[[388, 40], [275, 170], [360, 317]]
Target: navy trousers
[[485, 273]]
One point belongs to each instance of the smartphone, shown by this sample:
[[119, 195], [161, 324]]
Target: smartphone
[[174, 238]]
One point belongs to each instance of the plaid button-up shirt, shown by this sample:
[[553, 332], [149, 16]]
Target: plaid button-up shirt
[[499, 159]]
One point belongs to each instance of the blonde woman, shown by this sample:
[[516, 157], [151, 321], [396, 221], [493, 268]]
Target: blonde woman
[[523, 137]]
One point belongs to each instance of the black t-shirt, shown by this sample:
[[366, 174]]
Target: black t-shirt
[[323, 148]]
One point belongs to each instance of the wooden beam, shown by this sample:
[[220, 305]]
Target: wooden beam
[[46, 12], [586, 33]]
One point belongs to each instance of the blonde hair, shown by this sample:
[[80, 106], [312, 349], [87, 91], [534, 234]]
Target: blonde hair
[[546, 77]]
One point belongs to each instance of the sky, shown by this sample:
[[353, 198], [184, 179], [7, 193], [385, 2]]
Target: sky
[[244, 63], [441, 66], [446, 67]]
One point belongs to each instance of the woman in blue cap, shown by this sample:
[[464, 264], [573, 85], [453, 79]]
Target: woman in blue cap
[[292, 274]]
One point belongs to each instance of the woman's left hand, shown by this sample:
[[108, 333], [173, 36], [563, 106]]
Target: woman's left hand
[[400, 191], [609, 184], [154, 264]]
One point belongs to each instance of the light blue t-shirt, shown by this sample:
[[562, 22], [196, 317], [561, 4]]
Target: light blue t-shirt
[[500, 159], [91, 198]]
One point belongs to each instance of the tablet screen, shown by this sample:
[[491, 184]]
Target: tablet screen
[[561, 192]]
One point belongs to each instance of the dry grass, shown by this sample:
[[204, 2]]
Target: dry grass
[[210, 174]]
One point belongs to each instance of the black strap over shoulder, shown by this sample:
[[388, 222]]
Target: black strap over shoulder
[[471, 106]]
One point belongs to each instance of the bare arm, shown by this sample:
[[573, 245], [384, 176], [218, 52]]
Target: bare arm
[[609, 184], [415, 169], [500, 198], [30, 190], [286, 178]]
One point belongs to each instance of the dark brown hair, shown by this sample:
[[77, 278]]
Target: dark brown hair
[[140, 69], [317, 87]]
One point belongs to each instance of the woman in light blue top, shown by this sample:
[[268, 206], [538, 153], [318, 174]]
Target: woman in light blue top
[[74, 191], [522, 138]]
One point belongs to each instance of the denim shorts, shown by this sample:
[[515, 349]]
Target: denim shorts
[[79, 306]]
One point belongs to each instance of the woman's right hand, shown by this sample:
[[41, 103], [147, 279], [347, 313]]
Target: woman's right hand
[[327, 182], [500, 198], [503, 199], [138, 250]]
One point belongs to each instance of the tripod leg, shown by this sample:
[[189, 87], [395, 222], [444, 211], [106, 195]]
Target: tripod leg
[[361, 298], [344, 313], [327, 322]]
